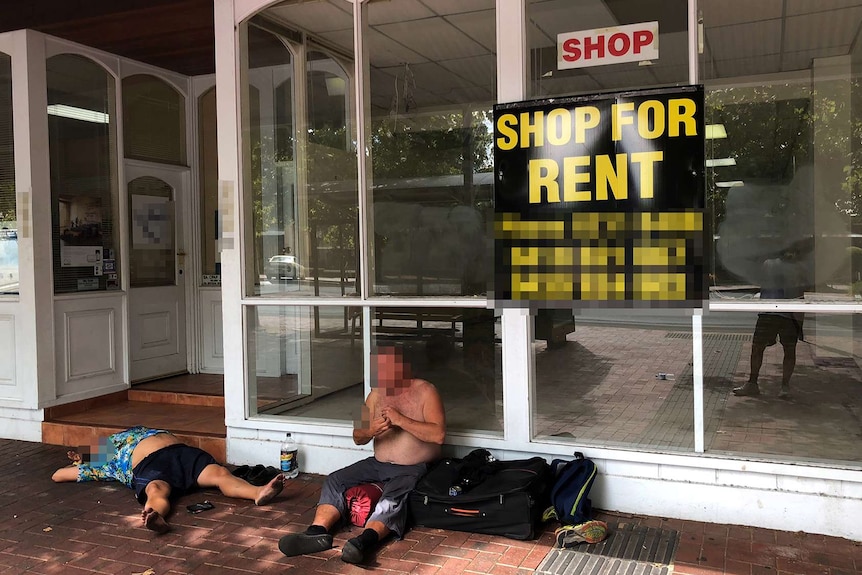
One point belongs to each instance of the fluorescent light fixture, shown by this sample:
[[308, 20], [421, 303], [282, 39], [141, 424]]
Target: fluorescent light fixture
[[730, 184], [74, 113], [720, 162], [335, 86], [715, 131]]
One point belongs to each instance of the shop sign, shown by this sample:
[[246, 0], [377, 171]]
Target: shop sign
[[614, 45], [599, 200]]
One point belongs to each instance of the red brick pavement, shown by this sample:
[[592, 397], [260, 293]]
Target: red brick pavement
[[71, 529]]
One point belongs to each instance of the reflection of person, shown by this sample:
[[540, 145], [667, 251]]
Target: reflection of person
[[779, 283], [405, 419], [158, 466]]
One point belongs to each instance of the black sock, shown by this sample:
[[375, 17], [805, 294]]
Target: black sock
[[316, 530], [368, 539]]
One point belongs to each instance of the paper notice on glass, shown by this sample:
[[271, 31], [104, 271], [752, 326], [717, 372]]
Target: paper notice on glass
[[152, 223], [80, 231], [80, 256]]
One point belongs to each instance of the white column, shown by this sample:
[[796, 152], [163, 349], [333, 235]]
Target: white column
[[33, 183], [230, 209], [518, 364]]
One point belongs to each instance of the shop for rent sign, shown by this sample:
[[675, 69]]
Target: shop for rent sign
[[599, 200]]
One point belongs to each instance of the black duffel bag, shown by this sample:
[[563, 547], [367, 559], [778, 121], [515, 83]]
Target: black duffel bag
[[504, 498]]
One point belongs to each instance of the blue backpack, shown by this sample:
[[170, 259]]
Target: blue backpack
[[570, 502]]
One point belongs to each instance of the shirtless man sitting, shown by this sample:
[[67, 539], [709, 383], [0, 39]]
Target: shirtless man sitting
[[158, 466], [405, 419]]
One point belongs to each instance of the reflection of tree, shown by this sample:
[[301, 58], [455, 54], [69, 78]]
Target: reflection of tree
[[333, 198], [429, 210], [435, 145], [771, 138]]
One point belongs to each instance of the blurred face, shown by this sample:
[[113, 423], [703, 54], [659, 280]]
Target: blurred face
[[98, 454], [391, 373]]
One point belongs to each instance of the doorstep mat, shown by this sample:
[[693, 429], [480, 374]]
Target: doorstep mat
[[629, 549]]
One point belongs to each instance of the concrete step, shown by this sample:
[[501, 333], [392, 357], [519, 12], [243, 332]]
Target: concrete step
[[196, 420]]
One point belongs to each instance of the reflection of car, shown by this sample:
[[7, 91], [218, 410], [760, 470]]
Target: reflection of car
[[283, 268]]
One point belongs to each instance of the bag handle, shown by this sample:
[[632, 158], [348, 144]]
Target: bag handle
[[463, 512]]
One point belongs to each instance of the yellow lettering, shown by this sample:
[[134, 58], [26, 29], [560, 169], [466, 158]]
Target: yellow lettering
[[586, 118], [646, 160], [618, 120], [618, 179], [509, 137], [681, 111], [543, 175], [535, 126], [572, 177], [559, 126], [657, 109]]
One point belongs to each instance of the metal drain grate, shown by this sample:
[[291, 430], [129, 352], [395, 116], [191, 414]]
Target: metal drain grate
[[629, 549], [711, 336]]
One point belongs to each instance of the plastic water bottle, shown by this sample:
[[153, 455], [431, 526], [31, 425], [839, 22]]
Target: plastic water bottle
[[289, 460]]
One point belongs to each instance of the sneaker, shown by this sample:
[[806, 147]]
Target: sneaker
[[749, 389], [569, 536], [302, 543], [352, 552], [784, 393]]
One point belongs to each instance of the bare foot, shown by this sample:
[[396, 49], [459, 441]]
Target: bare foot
[[268, 492], [154, 521]]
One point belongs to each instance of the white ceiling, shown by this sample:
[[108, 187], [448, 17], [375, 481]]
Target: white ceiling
[[444, 50]]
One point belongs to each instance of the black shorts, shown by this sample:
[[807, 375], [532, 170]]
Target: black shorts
[[178, 465], [771, 327]]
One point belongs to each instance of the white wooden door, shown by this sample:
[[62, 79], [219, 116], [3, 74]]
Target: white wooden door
[[157, 306]]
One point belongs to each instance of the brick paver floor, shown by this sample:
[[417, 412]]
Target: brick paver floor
[[50, 528]]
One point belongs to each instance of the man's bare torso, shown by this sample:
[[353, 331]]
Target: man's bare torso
[[396, 445]]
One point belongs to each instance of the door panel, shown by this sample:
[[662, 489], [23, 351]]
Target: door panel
[[157, 337]]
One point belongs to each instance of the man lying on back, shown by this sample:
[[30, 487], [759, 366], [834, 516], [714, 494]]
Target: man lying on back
[[159, 467]]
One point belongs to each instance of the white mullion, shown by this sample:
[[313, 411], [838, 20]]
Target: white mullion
[[363, 154], [518, 361], [693, 42], [697, 373]]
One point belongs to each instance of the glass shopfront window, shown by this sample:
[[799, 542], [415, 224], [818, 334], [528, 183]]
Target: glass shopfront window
[[301, 155], [308, 360], [783, 149], [783, 188], [82, 143], [432, 88], [305, 361], [598, 373], [605, 57], [459, 350], [614, 378], [8, 214], [805, 404]]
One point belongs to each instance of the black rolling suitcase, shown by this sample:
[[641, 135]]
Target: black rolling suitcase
[[497, 498]]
